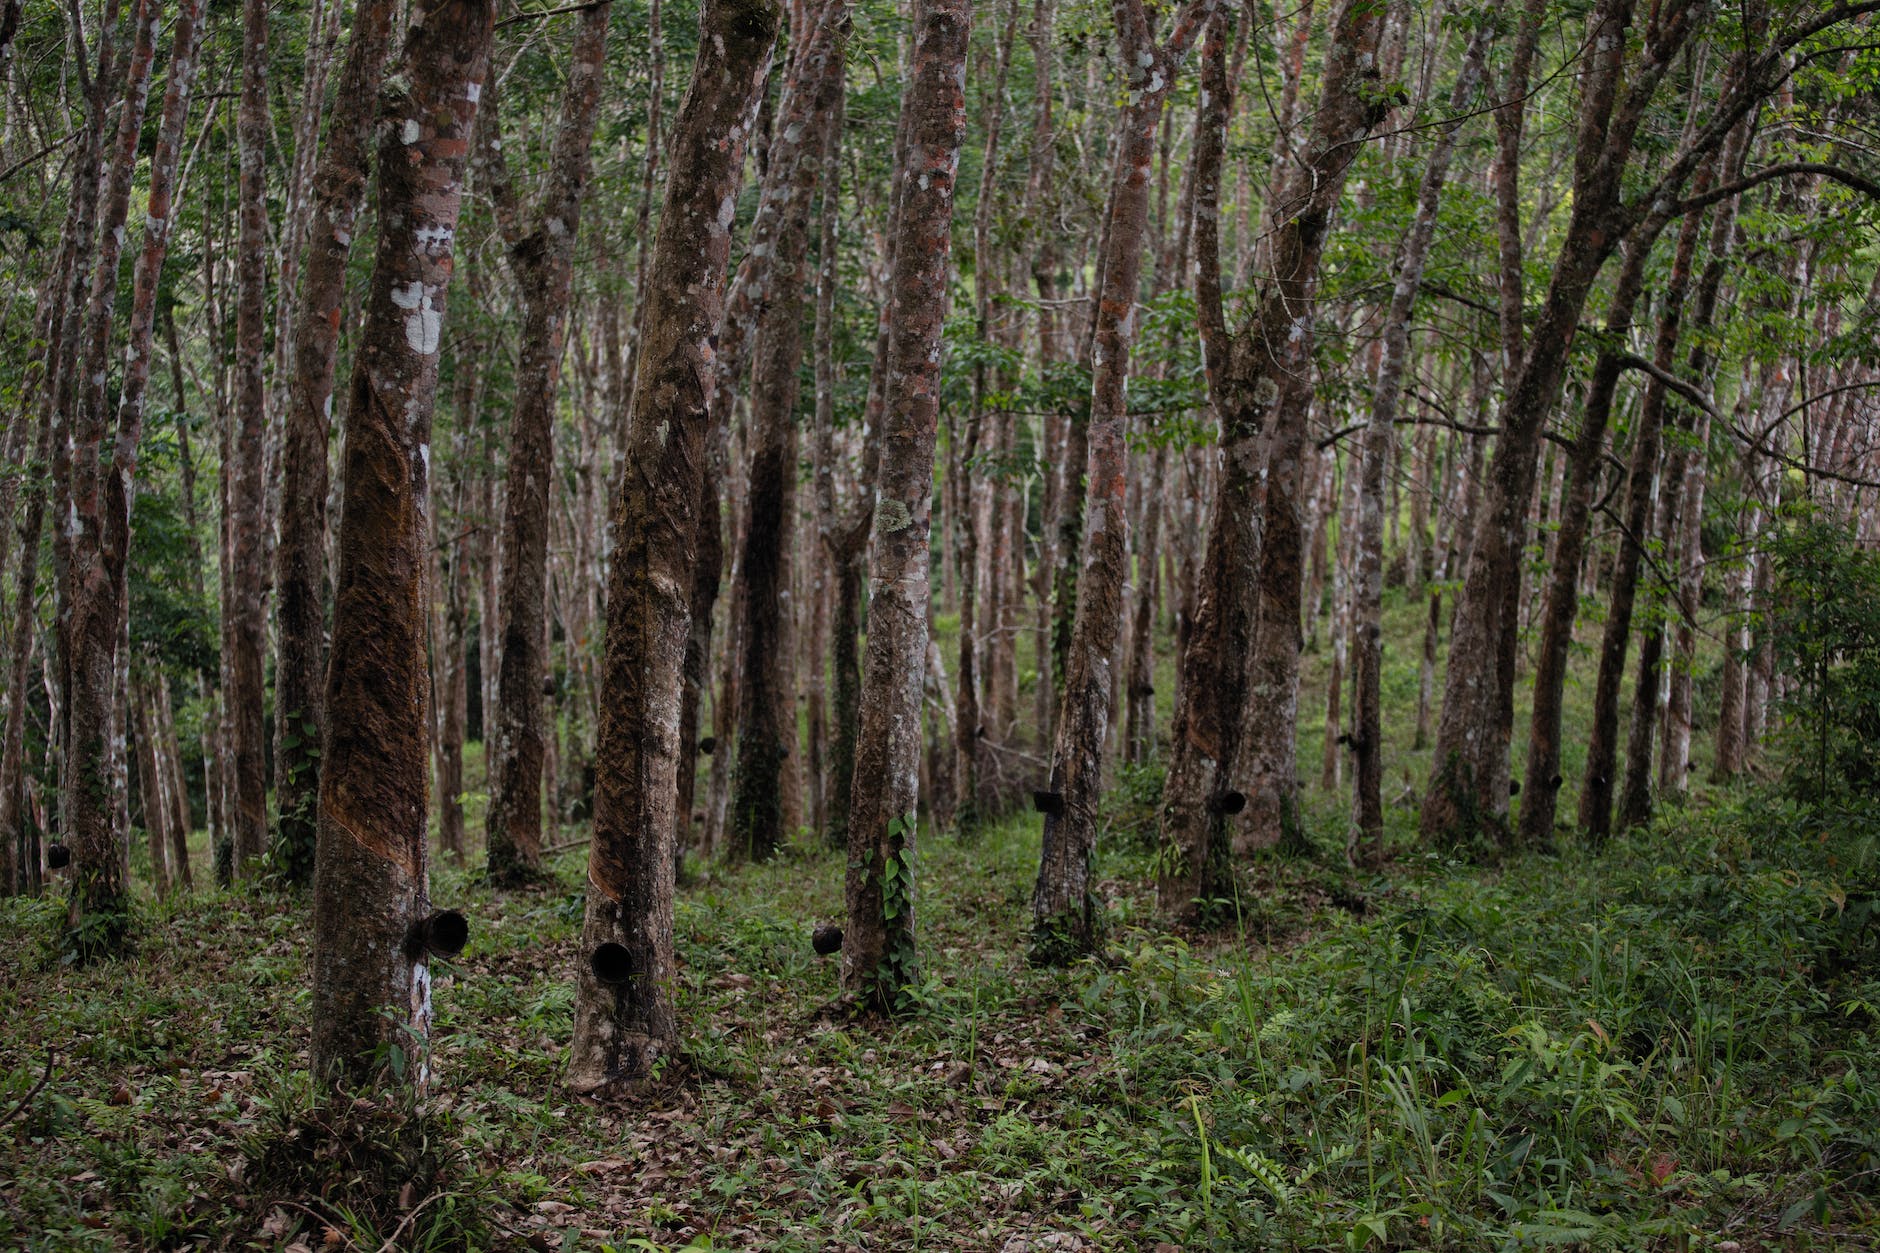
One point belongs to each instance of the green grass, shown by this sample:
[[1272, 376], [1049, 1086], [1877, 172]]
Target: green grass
[[1664, 1046]]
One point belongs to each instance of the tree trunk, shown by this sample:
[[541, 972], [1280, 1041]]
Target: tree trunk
[[706, 574], [91, 541], [1597, 790], [1368, 731], [1467, 796], [767, 728], [245, 598], [624, 1019], [541, 255], [1064, 921], [1261, 381], [878, 953], [1541, 787], [151, 786], [339, 188], [178, 790], [371, 897]]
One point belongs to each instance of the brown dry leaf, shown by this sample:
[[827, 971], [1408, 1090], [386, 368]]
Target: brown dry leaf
[[601, 1164]]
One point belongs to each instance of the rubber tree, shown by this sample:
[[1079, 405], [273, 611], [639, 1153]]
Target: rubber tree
[[374, 930], [624, 1021], [541, 256], [1260, 380], [1064, 915], [339, 191], [878, 953]]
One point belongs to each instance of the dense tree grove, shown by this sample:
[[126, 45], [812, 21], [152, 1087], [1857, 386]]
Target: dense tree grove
[[707, 433]]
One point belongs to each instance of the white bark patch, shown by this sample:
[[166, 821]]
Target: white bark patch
[[433, 239], [412, 130], [473, 92], [727, 211], [426, 323]]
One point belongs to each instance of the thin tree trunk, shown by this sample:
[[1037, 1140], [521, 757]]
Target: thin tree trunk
[[969, 719], [541, 255], [178, 789], [371, 899], [150, 786], [244, 599], [90, 545], [339, 188], [878, 954], [1064, 910], [624, 1020], [1380, 436], [767, 727], [835, 560]]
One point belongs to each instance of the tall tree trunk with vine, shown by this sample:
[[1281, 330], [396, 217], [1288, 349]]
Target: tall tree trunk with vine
[[878, 953]]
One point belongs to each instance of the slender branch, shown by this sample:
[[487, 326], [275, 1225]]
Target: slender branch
[[542, 13], [1848, 178]]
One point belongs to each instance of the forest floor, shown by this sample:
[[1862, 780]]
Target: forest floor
[[1669, 1043]]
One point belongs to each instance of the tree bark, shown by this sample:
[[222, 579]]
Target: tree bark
[[624, 1018], [1260, 379], [339, 188], [541, 256], [767, 728], [1368, 731], [878, 953], [91, 541], [371, 897], [1064, 912], [245, 598]]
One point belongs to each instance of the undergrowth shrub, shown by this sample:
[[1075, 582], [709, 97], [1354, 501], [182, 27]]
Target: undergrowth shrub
[[1617, 1051]]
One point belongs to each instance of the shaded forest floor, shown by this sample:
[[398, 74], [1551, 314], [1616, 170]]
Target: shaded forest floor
[[1670, 1044]]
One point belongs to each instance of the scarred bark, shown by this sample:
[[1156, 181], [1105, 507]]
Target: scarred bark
[[541, 255], [339, 188], [624, 1019], [371, 975], [1064, 922], [878, 954], [1260, 378]]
